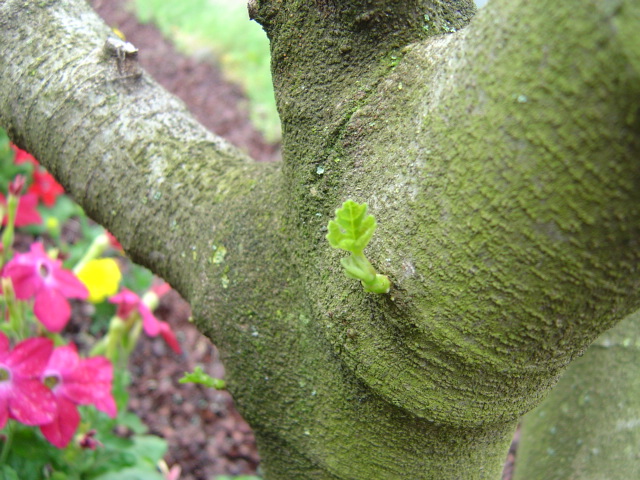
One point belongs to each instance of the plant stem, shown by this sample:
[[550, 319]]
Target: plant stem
[[7, 443], [97, 248]]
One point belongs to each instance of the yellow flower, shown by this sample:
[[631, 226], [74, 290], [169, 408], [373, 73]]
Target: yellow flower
[[101, 276]]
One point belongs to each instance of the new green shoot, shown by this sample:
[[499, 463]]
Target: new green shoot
[[352, 230]]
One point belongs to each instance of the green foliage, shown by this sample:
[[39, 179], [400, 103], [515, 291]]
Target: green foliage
[[352, 230], [203, 378], [133, 457], [8, 473], [8, 169], [240, 46], [138, 279], [101, 448]]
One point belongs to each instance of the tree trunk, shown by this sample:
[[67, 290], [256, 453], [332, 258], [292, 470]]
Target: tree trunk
[[499, 158], [588, 427]]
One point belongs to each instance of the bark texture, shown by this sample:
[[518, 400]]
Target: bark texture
[[588, 428], [498, 155]]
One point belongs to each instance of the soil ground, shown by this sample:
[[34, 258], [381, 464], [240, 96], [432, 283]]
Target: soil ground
[[206, 435]]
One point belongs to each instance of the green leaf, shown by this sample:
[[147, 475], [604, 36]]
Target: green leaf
[[133, 422], [203, 378], [30, 454], [133, 473], [352, 228], [149, 449], [138, 279], [351, 231], [8, 473]]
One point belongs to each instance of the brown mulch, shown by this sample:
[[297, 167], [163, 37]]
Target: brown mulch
[[206, 435]]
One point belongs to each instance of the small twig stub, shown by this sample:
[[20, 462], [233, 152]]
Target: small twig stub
[[126, 56]]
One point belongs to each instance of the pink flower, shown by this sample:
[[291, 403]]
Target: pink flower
[[172, 473], [22, 395], [75, 381], [129, 303], [16, 185], [169, 337], [26, 213], [34, 274]]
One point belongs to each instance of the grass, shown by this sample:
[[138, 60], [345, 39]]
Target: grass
[[222, 29]]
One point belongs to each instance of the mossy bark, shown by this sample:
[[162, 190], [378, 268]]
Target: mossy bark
[[498, 155], [588, 428]]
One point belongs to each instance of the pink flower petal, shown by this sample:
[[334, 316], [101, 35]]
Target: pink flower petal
[[69, 285], [21, 156], [4, 345], [161, 289], [169, 337], [52, 309], [31, 402], [174, 473], [29, 357], [60, 431], [63, 360], [22, 395], [150, 323], [45, 187], [82, 381], [26, 282], [106, 403], [100, 367], [35, 274], [16, 185], [38, 250], [81, 390], [91, 383], [4, 412], [127, 302], [26, 213]]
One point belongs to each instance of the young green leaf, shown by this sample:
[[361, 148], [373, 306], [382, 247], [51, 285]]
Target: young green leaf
[[352, 230], [199, 376]]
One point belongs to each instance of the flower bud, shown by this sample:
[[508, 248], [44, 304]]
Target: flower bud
[[89, 442], [16, 185]]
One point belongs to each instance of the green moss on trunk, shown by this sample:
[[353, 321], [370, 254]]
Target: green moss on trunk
[[588, 428], [500, 161]]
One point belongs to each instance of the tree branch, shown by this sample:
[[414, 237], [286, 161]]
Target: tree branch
[[124, 148], [500, 162], [328, 55]]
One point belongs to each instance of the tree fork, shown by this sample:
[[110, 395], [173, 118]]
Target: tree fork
[[502, 181]]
